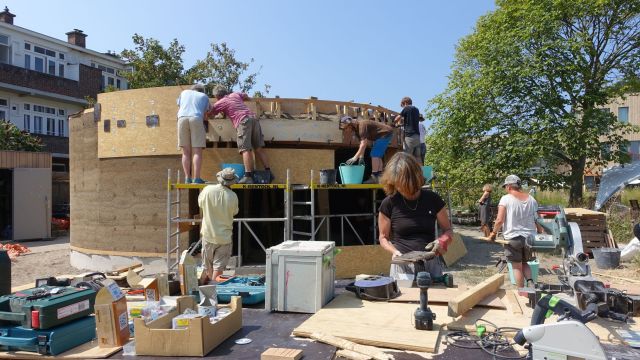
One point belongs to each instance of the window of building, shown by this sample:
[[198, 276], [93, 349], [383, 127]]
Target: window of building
[[5, 50], [623, 114], [61, 56], [3, 115], [37, 124], [38, 64], [111, 70], [60, 127], [61, 70], [27, 61], [27, 122], [51, 126], [39, 50], [52, 67], [27, 46], [61, 112], [27, 107], [111, 81], [4, 102], [118, 84]]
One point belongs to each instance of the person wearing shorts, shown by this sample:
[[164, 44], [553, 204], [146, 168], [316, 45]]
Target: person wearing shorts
[[517, 214], [218, 205], [193, 104], [410, 118], [369, 131], [249, 132]]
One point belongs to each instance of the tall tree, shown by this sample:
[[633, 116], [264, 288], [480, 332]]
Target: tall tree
[[528, 88], [153, 65], [14, 139]]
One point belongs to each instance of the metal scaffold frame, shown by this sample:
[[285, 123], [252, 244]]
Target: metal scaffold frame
[[174, 218]]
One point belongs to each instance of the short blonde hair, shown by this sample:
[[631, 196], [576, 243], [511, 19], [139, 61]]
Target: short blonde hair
[[402, 174], [487, 187]]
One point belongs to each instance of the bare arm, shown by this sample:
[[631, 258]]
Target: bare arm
[[398, 119], [445, 225], [499, 221], [484, 197], [384, 229], [362, 148]]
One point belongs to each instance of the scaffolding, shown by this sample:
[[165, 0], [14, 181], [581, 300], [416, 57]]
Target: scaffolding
[[175, 219]]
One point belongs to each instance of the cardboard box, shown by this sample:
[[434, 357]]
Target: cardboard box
[[198, 339], [112, 320]]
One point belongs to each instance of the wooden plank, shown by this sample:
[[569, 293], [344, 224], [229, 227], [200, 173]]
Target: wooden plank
[[442, 295], [89, 350], [465, 301], [511, 301], [362, 259], [348, 345], [497, 241], [380, 324], [455, 251], [281, 354], [351, 355]]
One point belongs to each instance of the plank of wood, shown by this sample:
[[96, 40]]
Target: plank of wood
[[511, 301], [89, 350], [352, 355], [442, 295], [616, 277], [497, 241], [126, 268], [349, 345], [471, 297], [349, 262], [455, 251], [381, 324], [281, 354]]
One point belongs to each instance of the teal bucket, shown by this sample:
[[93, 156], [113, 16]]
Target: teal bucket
[[351, 174], [534, 265], [239, 168], [427, 172]]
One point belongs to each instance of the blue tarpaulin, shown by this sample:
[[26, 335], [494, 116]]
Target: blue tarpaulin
[[615, 179]]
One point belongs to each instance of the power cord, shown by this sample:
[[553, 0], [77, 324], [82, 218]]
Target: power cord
[[494, 343]]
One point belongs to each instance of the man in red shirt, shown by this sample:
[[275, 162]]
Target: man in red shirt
[[250, 136]]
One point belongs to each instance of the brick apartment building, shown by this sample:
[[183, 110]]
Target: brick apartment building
[[43, 80]]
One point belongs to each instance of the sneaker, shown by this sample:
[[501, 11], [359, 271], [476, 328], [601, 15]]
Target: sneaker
[[246, 180], [198, 181], [187, 181], [372, 180]]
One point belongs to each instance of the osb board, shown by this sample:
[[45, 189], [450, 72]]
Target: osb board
[[582, 212], [382, 324], [298, 161], [89, 350], [136, 138], [324, 132], [24, 159], [362, 259], [442, 295], [116, 204], [455, 251]]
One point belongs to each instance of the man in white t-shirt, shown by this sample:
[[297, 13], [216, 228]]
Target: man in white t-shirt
[[517, 213]]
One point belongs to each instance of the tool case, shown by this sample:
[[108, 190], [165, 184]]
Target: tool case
[[51, 341], [46, 306]]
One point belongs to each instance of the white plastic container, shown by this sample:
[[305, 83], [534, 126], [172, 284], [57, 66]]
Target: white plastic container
[[300, 276]]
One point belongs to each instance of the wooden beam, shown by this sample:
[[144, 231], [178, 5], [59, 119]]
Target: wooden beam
[[497, 241], [349, 345], [468, 299], [281, 354], [351, 355]]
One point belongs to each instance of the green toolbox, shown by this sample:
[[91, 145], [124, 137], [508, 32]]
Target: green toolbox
[[46, 306]]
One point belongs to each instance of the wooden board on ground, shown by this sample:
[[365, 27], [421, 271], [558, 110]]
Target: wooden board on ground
[[441, 295], [362, 259], [88, 350], [281, 354], [455, 251], [471, 297], [381, 324]]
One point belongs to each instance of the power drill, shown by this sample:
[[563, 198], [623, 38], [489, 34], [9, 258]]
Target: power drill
[[423, 315]]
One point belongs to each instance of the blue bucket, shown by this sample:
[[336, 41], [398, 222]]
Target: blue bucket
[[427, 172], [239, 168], [351, 174]]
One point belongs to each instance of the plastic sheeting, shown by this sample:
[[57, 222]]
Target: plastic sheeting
[[615, 179]]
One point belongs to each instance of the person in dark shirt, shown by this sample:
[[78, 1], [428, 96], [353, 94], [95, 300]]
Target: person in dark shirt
[[369, 132], [410, 119], [408, 215]]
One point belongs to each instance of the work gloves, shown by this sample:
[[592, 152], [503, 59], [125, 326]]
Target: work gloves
[[353, 160], [438, 246]]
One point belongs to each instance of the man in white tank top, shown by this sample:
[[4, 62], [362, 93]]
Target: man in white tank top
[[517, 213]]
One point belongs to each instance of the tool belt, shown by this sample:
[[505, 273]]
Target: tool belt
[[377, 288]]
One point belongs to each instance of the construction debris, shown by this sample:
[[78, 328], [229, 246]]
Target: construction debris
[[14, 250], [371, 351]]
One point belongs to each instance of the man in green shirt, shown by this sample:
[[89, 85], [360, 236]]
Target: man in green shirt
[[218, 204]]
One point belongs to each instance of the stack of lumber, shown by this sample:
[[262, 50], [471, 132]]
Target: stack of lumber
[[593, 228]]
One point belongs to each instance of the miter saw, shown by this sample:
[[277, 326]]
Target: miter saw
[[576, 278]]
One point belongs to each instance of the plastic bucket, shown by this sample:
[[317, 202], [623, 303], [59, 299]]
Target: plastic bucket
[[607, 258], [427, 172], [239, 168], [351, 174], [327, 176], [534, 265]]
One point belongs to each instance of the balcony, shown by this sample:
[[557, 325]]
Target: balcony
[[43, 84], [54, 144]]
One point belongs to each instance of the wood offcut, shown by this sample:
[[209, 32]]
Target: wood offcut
[[468, 299]]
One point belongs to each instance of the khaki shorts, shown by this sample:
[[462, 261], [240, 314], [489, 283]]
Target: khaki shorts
[[517, 250], [191, 132], [214, 256], [249, 135]]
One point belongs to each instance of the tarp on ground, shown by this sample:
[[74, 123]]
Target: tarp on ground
[[615, 179]]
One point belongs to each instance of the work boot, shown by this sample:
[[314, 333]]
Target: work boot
[[246, 180], [372, 180]]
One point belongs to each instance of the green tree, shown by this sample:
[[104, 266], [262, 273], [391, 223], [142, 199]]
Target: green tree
[[220, 66], [14, 139], [527, 88], [153, 64]]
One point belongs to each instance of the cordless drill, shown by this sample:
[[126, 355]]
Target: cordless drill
[[423, 315]]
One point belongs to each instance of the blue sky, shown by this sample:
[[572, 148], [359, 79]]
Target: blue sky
[[366, 51]]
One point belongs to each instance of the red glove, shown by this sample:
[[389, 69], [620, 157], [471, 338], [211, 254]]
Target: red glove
[[443, 243]]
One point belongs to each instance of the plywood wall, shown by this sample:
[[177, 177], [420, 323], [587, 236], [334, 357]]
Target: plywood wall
[[24, 159]]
